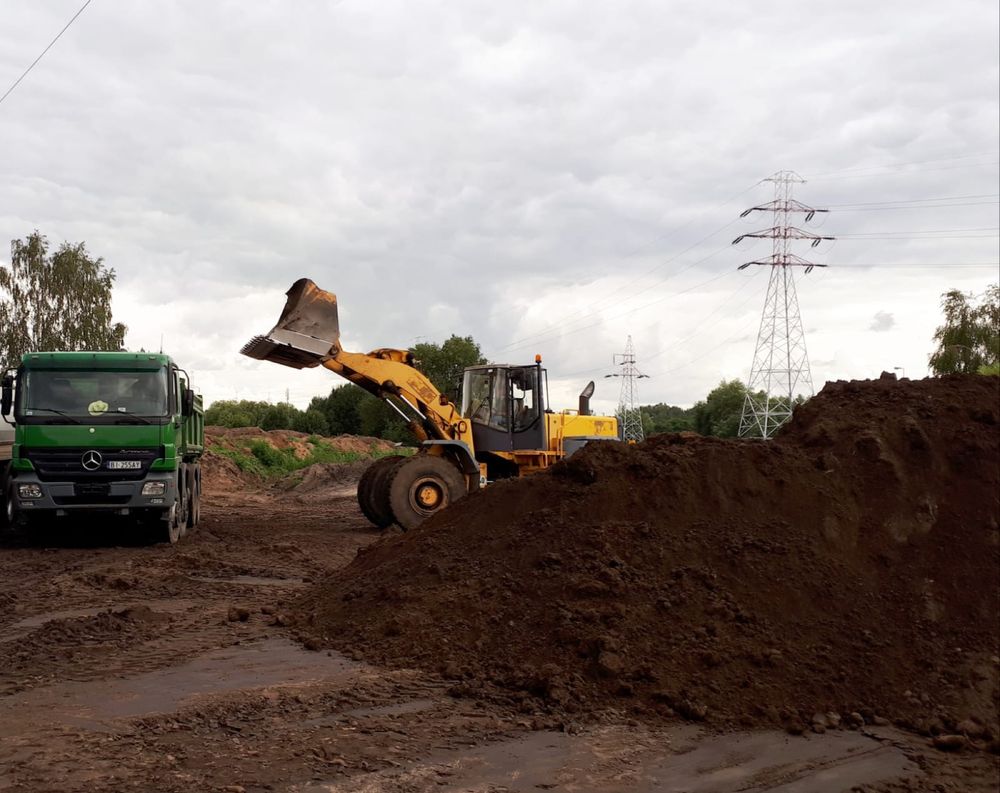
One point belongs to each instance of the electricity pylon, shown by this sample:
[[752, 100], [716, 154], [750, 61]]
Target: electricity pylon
[[780, 363], [628, 404]]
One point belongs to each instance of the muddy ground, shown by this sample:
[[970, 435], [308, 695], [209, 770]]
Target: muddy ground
[[168, 669]]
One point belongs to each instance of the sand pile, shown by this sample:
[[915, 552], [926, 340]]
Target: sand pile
[[850, 566]]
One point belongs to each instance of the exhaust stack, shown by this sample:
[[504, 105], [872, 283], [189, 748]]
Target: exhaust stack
[[307, 333], [585, 396]]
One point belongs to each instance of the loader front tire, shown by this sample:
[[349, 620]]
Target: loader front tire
[[422, 486], [373, 491]]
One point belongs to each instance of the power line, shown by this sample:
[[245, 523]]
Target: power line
[[529, 340], [915, 170], [917, 200], [553, 337], [921, 231], [838, 174], [870, 237], [694, 328], [940, 265], [32, 66], [569, 317], [917, 206]]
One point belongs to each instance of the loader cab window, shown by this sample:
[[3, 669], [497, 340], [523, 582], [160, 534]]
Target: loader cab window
[[484, 397], [505, 398], [524, 397]]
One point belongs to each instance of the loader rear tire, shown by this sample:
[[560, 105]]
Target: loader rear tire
[[422, 486], [373, 491]]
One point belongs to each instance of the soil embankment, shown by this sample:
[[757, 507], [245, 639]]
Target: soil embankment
[[850, 566]]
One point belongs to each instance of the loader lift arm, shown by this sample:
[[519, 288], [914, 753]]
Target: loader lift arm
[[406, 490], [391, 375]]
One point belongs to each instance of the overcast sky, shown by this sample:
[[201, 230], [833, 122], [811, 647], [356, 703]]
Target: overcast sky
[[544, 176]]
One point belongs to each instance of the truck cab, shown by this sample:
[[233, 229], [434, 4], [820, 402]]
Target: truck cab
[[104, 432]]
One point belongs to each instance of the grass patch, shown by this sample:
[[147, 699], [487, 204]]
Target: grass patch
[[246, 463], [262, 459]]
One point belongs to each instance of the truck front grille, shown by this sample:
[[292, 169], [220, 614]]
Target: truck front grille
[[67, 465]]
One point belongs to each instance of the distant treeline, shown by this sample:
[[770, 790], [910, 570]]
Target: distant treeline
[[348, 410]]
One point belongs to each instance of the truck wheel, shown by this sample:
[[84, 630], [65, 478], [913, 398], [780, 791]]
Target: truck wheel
[[160, 526], [373, 495], [166, 527], [183, 505], [194, 504], [421, 486], [9, 517]]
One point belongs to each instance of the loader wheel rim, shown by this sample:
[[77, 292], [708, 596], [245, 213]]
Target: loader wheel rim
[[428, 495]]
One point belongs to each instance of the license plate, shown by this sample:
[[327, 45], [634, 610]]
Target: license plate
[[120, 464]]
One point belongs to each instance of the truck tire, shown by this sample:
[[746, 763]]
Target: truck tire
[[373, 494], [163, 526], [194, 503], [183, 501], [8, 518], [421, 486]]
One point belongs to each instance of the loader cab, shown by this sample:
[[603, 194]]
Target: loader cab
[[506, 406]]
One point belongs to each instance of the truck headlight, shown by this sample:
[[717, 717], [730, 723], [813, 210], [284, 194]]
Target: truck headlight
[[29, 491], [154, 488]]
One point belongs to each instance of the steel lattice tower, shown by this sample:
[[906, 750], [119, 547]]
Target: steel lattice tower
[[628, 404], [780, 363]]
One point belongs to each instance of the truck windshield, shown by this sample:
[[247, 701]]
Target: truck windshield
[[84, 393]]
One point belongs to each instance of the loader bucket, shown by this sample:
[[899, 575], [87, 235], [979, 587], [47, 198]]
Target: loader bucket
[[307, 333]]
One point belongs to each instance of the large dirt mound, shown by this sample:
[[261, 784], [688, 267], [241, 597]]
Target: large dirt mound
[[851, 565]]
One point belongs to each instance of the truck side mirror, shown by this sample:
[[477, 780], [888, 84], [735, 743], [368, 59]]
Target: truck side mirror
[[187, 404], [7, 398]]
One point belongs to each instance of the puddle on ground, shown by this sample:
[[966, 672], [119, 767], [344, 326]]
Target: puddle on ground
[[614, 760], [93, 704], [249, 580]]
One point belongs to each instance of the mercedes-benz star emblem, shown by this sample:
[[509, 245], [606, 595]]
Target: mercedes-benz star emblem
[[91, 460]]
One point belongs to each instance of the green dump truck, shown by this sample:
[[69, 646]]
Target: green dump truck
[[102, 432]]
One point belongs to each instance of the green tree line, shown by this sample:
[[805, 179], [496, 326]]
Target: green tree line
[[350, 410]]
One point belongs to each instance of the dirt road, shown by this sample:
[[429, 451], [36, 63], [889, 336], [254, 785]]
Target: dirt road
[[169, 669]]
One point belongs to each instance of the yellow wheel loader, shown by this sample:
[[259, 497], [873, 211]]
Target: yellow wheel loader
[[504, 427]]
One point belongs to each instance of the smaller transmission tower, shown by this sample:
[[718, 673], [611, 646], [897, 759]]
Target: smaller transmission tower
[[628, 404], [780, 363]]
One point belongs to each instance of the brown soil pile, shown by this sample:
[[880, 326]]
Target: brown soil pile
[[301, 443], [70, 636], [849, 566], [221, 474], [323, 481]]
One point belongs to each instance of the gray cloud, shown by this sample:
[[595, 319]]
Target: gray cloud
[[882, 321], [521, 172]]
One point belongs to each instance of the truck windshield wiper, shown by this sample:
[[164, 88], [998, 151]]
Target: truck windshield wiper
[[59, 412], [134, 416]]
